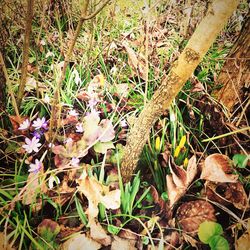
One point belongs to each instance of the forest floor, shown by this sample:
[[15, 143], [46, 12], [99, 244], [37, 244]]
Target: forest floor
[[61, 186]]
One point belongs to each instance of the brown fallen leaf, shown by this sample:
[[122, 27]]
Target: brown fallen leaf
[[123, 244], [35, 185], [97, 193], [98, 234], [178, 182], [79, 242], [191, 214], [137, 62], [243, 243], [217, 168], [227, 193], [4, 245]]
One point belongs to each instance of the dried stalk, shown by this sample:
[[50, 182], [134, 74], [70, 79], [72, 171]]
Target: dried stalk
[[9, 89]]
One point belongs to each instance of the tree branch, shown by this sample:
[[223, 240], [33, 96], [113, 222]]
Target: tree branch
[[181, 70], [96, 12]]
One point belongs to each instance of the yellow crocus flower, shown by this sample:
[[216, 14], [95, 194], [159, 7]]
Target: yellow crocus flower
[[158, 144], [183, 141]]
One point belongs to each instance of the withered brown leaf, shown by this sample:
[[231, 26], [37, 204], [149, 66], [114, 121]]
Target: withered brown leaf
[[191, 214], [217, 168]]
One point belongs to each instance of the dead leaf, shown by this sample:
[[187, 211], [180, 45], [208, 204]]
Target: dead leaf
[[180, 179], [4, 245], [66, 231], [217, 168], [35, 185], [226, 193], [173, 239], [191, 214], [128, 234], [98, 234], [243, 243], [79, 242], [123, 244], [136, 62], [122, 89], [97, 193]]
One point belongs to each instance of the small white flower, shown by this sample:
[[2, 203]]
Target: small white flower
[[172, 117], [72, 112], [68, 140], [35, 168], [49, 54], [51, 145], [25, 125], [39, 123], [113, 70], [123, 123], [46, 98], [74, 162], [77, 77], [53, 179], [79, 128], [31, 145], [42, 42]]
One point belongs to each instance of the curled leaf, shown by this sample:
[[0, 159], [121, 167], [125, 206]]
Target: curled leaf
[[226, 193], [178, 182], [97, 193], [217, 168]]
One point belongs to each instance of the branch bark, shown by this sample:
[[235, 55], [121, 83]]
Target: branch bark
[[238, 61], [197, 47], [26, 45]]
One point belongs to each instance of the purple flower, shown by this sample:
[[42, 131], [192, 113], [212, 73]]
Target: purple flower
[[74, 162], [35, 168], [40, 123], [31, 145], [37, 134], [92, 103]]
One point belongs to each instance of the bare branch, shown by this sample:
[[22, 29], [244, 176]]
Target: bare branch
[[96, 12], [26, 44]]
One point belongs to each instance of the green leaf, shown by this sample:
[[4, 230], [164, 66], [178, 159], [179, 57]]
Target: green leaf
[[208, 229], [102, 147], [113, 229], [218, 242], [240, 160]]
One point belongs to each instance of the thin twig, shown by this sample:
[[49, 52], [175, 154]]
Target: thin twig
[[26, 44], [9, 89]]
